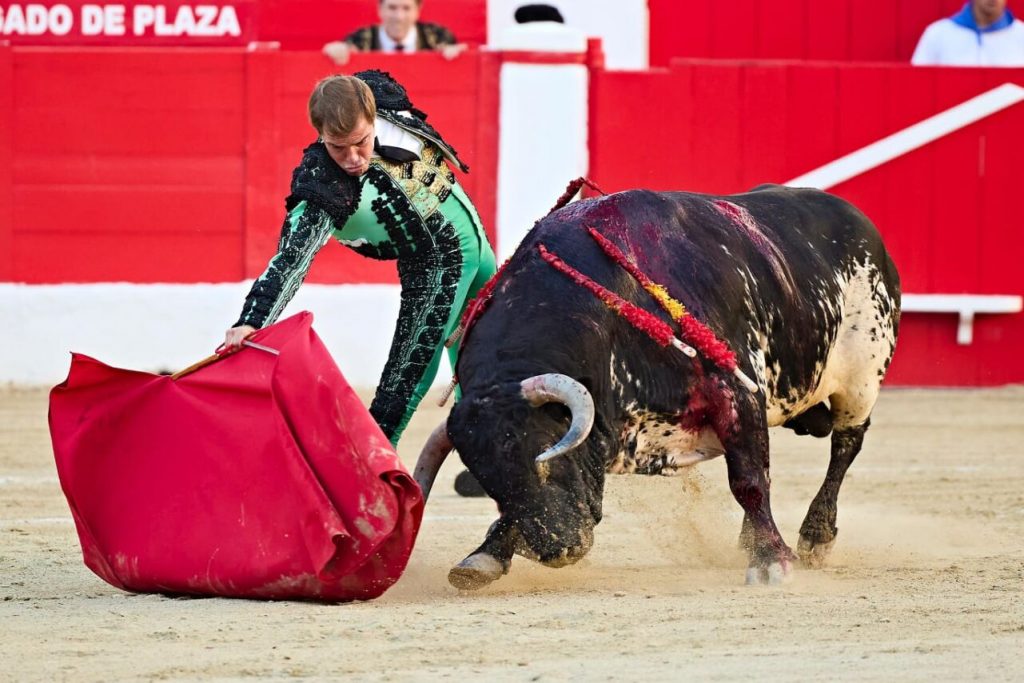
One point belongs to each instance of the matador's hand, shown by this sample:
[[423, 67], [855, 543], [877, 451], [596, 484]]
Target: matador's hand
[[233, 338]]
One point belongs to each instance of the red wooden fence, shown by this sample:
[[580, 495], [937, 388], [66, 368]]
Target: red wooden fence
[[171, 166], [164, 166], [947, 209], [847, 30], [126, 167]]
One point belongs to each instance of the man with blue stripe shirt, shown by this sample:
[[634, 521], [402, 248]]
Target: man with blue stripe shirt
[[983, 33]]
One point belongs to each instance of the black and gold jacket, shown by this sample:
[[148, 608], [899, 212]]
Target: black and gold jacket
[[408, 193], [428, 37]]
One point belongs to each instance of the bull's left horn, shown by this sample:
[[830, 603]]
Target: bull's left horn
[[559, 388], [434, 452]]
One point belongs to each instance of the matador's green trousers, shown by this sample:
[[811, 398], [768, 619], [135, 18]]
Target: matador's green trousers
[[437, 283]]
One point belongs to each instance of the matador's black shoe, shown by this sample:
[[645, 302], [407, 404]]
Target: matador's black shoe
[[467, 486]]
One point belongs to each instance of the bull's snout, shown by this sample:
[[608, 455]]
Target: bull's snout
[[494, 558], [553, 548]]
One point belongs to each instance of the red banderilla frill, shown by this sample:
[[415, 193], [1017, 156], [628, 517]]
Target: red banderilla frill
[[476, 307], [571, 189], [656, 329], [696, 332]]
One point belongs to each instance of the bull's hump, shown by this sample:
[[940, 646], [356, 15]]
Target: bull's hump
[[763, 240], [611, 210]]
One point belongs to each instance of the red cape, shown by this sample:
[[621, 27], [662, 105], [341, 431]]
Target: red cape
[[256, 476]]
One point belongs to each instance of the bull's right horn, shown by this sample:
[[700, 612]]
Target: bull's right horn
[[554, 387], [434, 452]]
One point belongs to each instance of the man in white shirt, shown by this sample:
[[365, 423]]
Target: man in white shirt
[[983, 33]]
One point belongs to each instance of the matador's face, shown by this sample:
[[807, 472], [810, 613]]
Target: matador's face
[[353, 151]]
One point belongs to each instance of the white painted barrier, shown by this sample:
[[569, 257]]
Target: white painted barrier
[[964, 305], [622, 26], [169, 327]]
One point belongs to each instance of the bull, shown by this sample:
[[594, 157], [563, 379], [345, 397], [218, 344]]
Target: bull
[[558, 389]]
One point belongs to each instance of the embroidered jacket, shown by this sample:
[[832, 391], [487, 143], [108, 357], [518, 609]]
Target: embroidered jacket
[[390, 212], [393, 211], [428, 37]]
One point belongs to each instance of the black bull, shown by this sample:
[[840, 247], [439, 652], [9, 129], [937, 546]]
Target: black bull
[[796, 282]]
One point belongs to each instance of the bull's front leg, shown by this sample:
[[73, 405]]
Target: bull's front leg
[[746, 455], [490, 561]]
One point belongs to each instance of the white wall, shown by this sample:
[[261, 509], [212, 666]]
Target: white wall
[[622, 25], [169, 327]]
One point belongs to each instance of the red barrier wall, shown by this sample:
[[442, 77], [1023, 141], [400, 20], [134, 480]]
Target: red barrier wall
[[127, 167], [847, 30], [945, 209], [172, 166]]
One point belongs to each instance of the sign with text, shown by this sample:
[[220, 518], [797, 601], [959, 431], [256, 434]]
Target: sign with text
[[128, 23]]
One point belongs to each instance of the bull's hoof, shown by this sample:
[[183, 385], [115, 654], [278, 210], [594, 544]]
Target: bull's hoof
[[467, 486], [774, 574], [813, 554], [476, 571]]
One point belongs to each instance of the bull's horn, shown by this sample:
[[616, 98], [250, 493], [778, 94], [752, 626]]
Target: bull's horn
[[559, 388], [431, 458]]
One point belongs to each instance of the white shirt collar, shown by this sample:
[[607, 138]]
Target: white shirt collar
[[388, 45], [390, 135]]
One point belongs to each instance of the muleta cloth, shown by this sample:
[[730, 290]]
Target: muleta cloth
[[256, 476]]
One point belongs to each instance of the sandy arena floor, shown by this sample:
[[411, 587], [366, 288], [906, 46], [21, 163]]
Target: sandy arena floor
[[926, 582]]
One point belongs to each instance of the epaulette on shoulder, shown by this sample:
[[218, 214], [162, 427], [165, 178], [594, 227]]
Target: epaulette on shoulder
[[391, 98]]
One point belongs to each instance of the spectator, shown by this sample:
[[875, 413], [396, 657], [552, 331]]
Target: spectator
[[377, 179], [399, 30], [541, 28], [526, 14], [983, 33]]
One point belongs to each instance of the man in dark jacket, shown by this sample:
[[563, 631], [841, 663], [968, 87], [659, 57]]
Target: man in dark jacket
[[399, 30]]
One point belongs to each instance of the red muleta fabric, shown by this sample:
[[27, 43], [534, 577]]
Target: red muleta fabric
[[256, 476]]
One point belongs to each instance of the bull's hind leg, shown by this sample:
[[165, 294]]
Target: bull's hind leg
[[818, 532]]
